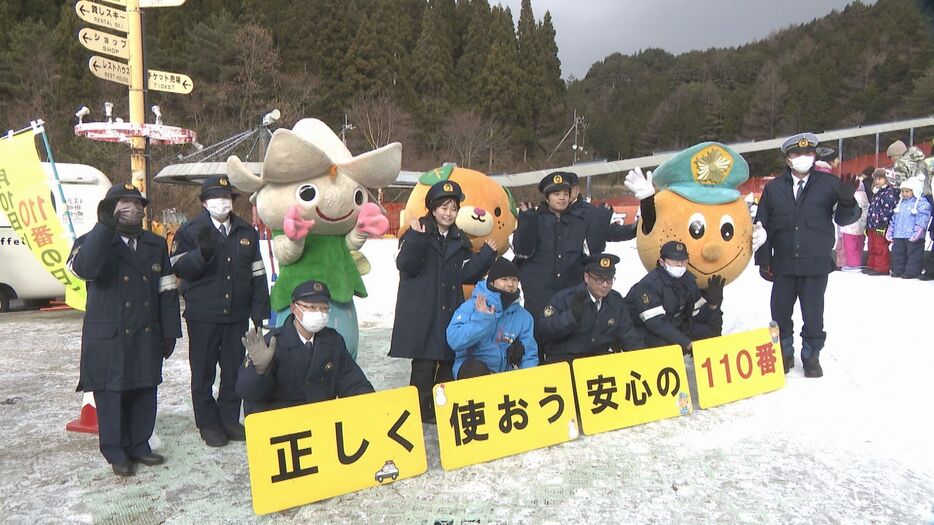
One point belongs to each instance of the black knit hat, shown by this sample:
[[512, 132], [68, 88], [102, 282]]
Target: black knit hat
[[502, 267]]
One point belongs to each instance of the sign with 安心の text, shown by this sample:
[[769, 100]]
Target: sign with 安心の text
[[630, 388]]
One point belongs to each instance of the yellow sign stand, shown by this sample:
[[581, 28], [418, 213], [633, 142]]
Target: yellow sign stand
[[622, 390], [311, 452], [737, 366], [499, 415]]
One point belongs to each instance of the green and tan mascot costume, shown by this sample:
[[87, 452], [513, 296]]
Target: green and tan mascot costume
[[312, 193]]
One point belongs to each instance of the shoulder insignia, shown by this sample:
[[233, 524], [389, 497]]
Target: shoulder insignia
[[645, 298], [611, 322], [244, 241], [156, 268], [549, 311]]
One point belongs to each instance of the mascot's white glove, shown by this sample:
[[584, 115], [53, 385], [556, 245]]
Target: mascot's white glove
[[371, 221], [295, 227], [758, 236], [639, 184]]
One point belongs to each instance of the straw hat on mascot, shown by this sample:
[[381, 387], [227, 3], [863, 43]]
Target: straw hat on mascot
[[697, 203], [312, 193], [488, 210]]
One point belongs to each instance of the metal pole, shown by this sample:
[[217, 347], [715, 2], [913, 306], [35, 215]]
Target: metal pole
[[840, 157], [911, 137], [877, 149], [137, 93]]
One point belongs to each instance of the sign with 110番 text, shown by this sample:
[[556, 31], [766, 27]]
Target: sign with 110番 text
[[625, 389], [311, 452], [499, 415], [737, 366]]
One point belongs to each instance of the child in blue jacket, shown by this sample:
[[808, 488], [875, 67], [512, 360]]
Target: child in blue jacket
[[492, 332], [906, 231]]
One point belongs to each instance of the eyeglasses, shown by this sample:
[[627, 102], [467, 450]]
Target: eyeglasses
[[313, 308], [601, 280]]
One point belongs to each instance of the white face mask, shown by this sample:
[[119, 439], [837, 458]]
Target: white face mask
[[802, 164], [219, 208], [675, 271], [314, 322]]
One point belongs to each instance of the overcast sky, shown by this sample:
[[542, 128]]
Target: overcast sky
[[589, 30]]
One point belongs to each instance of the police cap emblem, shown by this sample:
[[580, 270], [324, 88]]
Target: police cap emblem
[[223, 182], [803, 143], [448, 187], [558, 179], [244, 241], [605, 262], [549, 311], [128, 187], [156, 268], [317, 287]]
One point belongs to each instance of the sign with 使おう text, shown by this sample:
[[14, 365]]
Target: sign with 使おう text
[[311, 452], [499, 415], [737, 366], [625, 389]]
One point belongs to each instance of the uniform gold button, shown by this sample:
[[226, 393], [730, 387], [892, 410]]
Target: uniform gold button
[[228, 277], [145, 278], [559, 275], [226, 296], [146, 329], [559, 255], [126, 278], [146, 303], [126, 305], [127, 331], [225, 311], [228, 259]]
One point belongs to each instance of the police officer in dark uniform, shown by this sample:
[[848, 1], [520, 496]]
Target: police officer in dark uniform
[[798, 210], [549, 245], [130, 325], [664, 304], [302, 361], [217, 257], [590, 318]]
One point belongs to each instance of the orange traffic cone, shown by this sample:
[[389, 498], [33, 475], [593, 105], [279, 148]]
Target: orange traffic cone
[[87, 421]]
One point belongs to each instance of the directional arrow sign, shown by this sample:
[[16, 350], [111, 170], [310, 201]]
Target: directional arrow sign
[[171, 82], [104, 43], [101, 15], [110, 70]]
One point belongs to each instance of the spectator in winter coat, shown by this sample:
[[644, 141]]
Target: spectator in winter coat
[[906, 231], [854, 235], [492, 332], [435, 260], [878, 217]]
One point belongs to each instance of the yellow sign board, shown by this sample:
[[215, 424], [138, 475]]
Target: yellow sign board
[[499, 415], [25, 198], [630, 388], [171, 82], [311, 452], [111, 70], [737, 366], [102, 15], [101, 42]]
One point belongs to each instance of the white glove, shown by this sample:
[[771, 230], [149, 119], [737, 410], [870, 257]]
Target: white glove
[[640, 185], [759, 236], [260, 354]]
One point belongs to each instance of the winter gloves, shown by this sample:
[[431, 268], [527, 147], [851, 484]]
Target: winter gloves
[[168, 346], [845, 195], [759, 236], [640, 185], [515, 352], [207, 243], [917, 234], [578, 304], [105, 214], [766, 273], [257, 350], [714, 291]]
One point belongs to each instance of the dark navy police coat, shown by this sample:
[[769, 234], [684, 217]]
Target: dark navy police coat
[[596, 333]]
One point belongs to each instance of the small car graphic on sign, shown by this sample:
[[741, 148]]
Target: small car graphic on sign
[[389, 470]]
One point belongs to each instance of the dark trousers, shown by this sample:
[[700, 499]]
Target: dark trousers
[[907, 257], [426, 373], [125, 423], [473, 367], [808, 291], [210, 344]]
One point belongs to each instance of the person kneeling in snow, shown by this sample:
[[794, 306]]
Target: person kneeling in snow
[[493, 332], [302, 361]]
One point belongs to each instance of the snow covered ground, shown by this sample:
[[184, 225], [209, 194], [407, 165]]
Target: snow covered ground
[[851, 447]]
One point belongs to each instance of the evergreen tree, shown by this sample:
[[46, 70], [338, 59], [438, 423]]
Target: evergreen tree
[[476, 49], [551, 92], [499, 92], [531, 67], [433, 64], [375, 57]]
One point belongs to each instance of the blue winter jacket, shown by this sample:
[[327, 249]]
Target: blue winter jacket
[[908, 214], [487, 336]]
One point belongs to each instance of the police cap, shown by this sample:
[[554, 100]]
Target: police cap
[[216, 187], [602, 264], [674, 250], [443, 190], [125, 191], [311, 292], [800, 142], [554, 182]]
